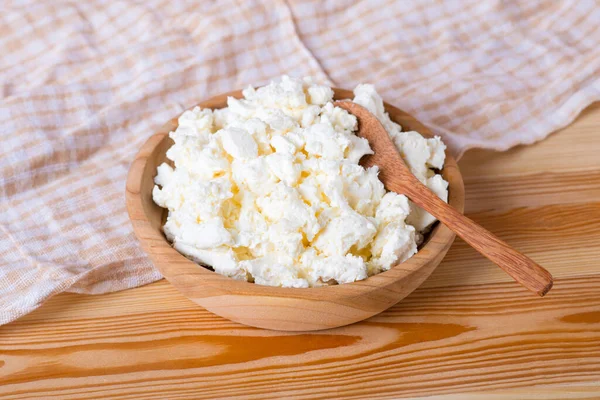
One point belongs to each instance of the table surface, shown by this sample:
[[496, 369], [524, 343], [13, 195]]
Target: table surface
[[469, 331]]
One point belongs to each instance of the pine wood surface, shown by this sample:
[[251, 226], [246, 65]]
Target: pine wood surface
[[469, 332]]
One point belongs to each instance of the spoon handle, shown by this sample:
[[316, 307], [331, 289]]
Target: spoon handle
[[523, 269]]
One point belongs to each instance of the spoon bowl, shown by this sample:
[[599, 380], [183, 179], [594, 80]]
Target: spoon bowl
[[287, 309]]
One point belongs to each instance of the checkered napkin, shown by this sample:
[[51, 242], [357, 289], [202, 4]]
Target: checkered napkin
[[85, 83]]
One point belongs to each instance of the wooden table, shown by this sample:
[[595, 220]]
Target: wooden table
[[468, 332]]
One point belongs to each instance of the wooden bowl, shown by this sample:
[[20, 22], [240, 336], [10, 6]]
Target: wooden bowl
[[288, 309]]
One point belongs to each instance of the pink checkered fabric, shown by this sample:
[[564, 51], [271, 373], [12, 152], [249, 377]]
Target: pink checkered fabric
[[85, 83]]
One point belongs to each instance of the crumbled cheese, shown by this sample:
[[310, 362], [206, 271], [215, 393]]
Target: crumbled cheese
[[272, 271], [420, 218], [321, 270], [269, 189], [238, 143], [345, 232]]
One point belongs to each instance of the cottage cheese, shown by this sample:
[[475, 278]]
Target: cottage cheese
[[269, 189]]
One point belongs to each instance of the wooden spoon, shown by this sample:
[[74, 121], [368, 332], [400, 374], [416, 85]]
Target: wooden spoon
[[396, 177]]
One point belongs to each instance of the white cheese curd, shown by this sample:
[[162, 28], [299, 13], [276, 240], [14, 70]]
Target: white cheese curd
[[270, 190]]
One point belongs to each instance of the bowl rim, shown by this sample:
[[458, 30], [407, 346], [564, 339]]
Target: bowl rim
[[155, 243]]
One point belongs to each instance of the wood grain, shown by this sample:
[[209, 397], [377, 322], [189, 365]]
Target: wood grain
[[286, 309], [397, 177], [534, 176], [559, 237], [466, 334], [482, 337]]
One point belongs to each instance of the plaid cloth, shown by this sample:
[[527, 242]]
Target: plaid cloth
[[85, 83]]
